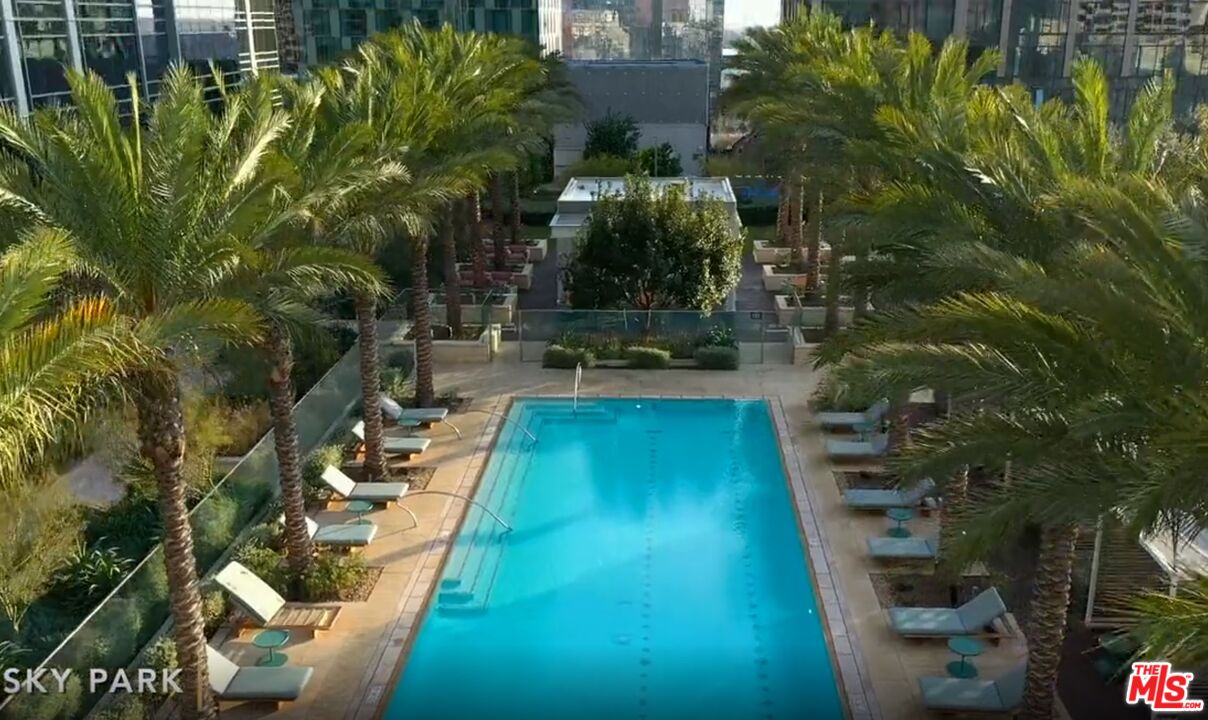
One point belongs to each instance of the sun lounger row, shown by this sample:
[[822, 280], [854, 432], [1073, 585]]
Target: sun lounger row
[[863, 421]]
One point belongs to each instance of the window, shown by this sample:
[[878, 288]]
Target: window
[[1037, 38], [353, 23], [8, 92], [499, 21]]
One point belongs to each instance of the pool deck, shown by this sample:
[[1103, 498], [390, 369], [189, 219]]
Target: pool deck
[[355, 663]]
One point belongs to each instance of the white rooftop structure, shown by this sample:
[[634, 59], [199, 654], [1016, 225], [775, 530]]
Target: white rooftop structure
[[581, 193]]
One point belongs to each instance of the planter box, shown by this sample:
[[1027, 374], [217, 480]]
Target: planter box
[[810, 315], [767, 253], [479, 351], [521, 277], [801, 351], [502, 314], [774, 278]]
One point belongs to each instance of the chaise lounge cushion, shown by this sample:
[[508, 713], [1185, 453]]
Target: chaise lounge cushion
[[281, 684], [344, 534], [876, 499], [349, 489], [1001, 695], [910, 548], [969, 619]]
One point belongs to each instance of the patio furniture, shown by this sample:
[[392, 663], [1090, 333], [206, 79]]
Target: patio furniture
[[899, 516], [965, 647], [873, 445], [395, 445], [912, 548], [974, 696], [980, 616], [863, 421], [255, 684], [374, 492], [359, 507], [415, 417], [261, 607], [1118, 650], [271, 640], [874, 499], [339, 535]]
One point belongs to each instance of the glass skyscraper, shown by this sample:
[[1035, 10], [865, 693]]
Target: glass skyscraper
[[329, 28], [39, 38], [648, 30], [1133, 39]]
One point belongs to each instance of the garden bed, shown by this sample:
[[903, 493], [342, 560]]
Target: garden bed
[[790, 314], [768, 252], [475, 344], [776, 277], [527, 250], [475, 304], [518, 274], [417, 477], [715, 349]]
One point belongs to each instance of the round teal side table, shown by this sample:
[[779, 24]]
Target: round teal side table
[[966, 647], [899, 515], [271, 640], [360, 507]]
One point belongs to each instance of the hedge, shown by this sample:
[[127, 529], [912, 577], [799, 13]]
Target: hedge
[[714, 357], [647, 358], [557, 356]]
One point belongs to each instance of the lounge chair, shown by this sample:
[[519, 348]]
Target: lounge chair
[[872, 446], [395, 445], [945, 694], [865, 420], [415, 417], [984, 615], [339, 535], [877, 499], [375, 492], [261, 607], [255, 684], [908, 548]]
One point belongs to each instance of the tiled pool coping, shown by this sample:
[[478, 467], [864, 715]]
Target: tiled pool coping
[[860, 700]]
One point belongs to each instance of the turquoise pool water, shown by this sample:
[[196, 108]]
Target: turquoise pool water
[[654, 571]]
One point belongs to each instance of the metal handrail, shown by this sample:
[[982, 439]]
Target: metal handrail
[[468, 499], [522, 428], [578, 379]]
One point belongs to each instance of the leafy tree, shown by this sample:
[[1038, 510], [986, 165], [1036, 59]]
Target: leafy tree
[[659, 161], [614, 134], [599, 166], [646, 249]]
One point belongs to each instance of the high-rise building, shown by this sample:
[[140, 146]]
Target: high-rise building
[[330, 28], [1135, 40], [649, 30], [39, 38]]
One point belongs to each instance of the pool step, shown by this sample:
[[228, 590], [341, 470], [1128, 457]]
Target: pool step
[[455, 598], [461, 610], [450, 584]]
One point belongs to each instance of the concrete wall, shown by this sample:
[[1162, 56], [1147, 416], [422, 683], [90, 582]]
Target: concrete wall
[[688, 139]]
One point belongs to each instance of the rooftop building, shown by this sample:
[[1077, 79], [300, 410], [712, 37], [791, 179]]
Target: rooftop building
[[39, 38]]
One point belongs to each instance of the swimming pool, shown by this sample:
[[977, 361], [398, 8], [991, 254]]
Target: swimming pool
[[654, 571]]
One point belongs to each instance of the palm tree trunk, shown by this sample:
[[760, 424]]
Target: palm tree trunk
[[813, 255], [478, 258], [298, 547], [1050, 604], [956, 492], [371, 383], [782, 215], [515, 214], [796, 231], [448, 246], [288, 47], [161, 434], [833, 282], [860, 292], [425, 393], [501, 248]]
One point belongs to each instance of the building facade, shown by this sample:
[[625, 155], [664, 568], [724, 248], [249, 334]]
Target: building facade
[[668, 99], [39, 38], [649, 30], [1135, 40], [330, 28]]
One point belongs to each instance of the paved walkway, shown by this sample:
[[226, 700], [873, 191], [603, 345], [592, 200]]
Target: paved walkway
[[355, 664]]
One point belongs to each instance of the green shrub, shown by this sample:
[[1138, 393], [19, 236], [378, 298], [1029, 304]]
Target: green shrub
[[131, 525], [557, 356], [332, 576], [394, 384], [215, 524], [718, 336], [648, 358], [713, 357], [314, 489], [214, 610], [401, 359], [11, 654], [126, 707], [51, 706], [267, 563], [89, 575], [162, 654]]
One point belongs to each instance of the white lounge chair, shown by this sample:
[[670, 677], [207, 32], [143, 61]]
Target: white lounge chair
[[884, 499], [395, 445], [985, 615], [261, 607], [865, 420], [908, 548], [375, 492], [255, 684], [340, 535], [415, 417]]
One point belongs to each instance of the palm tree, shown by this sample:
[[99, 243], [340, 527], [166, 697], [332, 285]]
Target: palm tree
[[498, 238], [57, 364], [156, 210]]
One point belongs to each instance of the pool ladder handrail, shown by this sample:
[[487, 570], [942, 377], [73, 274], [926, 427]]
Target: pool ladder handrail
[[578, 379], [505, 418], [472, 501]]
